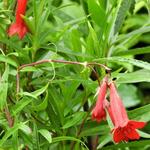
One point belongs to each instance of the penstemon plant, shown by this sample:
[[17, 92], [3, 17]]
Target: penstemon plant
[[74, 74]]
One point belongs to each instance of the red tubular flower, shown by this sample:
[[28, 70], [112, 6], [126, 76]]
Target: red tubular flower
[[124, 129], [98, 112], [19, 27]]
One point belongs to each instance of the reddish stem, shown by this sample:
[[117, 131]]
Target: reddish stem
[[8, 117], [85, 64]]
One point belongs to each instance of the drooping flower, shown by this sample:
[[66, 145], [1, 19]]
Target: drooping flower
[[19, 27], [98, 112], [124, 129]]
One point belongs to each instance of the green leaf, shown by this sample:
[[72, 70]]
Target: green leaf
[[68, 138], [104, 140], [57, 102], [26, 129], [20, 105], [93, 43], [136, 144], [136, 51], [29, 69], [56, 3], [53, 112], [35, 137], [4, 87], [46, 134], [134, 62], [8, 60], [97, 12], [73, 85], [130, 98], [139, 31], [143, 134], [133, 2], [10, 132], [43, 105], [141, 114], [13, 45], [40, 91], [141, 75], [36, 93], [92, 128], [75, 41], [29, 23], [74, 119], [123, 9], [28, 94]]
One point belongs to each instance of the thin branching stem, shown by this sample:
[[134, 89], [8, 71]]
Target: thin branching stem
[[84, 64]]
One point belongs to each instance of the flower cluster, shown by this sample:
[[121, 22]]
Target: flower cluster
[[19, 27], [124, 129]]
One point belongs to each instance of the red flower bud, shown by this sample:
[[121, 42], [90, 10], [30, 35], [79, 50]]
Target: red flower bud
[[124, 129], [98, 112], [19, 27]]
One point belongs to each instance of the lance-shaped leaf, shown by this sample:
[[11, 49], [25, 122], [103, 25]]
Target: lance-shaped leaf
[[4, 87]]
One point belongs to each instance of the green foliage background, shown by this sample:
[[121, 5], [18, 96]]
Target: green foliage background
[[51, 110]]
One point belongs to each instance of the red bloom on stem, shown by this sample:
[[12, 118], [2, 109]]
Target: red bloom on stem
[[98, 112], [19, 27], [124, 129]]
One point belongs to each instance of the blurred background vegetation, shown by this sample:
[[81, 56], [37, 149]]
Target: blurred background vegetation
[[51, 110]]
